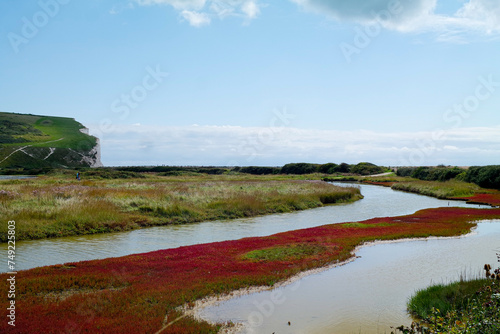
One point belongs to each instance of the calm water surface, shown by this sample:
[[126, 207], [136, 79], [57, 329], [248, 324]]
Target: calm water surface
[[16, 177], [378, 202], [367, 295]]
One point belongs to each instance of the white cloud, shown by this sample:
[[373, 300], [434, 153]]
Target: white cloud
[[177, 4], [195, 19], [116, 9], [414, 16], [390, 11], [482, 14], [251, 9], [407, 16], [234, 145], [200, 12]]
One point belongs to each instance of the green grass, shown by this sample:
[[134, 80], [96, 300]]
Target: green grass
[[444, 190], [465, 307], [66, 128], [444, 297], [38, 136], [53, 128], [283, 253], [58, 205]]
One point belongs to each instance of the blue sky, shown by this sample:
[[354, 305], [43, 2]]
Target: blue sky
[[255, 82]]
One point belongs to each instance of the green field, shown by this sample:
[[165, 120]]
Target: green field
[[58, 205], [32, 141]]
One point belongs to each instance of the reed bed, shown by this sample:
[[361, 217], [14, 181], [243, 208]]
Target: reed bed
[[55, 206]]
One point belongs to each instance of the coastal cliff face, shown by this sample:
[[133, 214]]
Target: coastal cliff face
[[32, 141], [93, 158]]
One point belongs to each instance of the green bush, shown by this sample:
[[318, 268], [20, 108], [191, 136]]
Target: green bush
[[366, 168], [328, 168], [343, 168], [430, 173], [485, 177], [254, 170], [299, 168]]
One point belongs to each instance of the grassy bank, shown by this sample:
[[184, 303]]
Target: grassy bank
[[142, 293], [452, 189], [459, 307], [444, 190], [54, 206]]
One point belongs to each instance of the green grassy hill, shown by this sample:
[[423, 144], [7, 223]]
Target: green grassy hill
[[32, 141]]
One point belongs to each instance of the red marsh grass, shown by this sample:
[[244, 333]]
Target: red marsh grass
[[492, 198], [53, 207], [142, 293]]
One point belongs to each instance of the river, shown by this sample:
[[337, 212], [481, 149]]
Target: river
[[16, 177], [367, 295], [378, 202]]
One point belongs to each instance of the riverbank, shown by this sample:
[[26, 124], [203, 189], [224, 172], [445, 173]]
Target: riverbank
[[143, 293], [454, 190], [57, 206], [377, 202], [471, 307]]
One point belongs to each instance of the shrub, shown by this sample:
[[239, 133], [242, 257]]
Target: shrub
[[430, 173], [328, 168], [258, 170], [343, 168], [366, 168], [486, 177], [299, 168]]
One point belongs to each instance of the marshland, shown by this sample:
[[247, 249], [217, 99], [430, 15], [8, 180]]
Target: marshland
[[55, 206], [147, 292]]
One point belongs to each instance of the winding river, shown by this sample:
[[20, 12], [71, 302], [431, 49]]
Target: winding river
[[367, 295], [378, 202]]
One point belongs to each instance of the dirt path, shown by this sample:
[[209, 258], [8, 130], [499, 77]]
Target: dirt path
[[22, 148], [376, 175]]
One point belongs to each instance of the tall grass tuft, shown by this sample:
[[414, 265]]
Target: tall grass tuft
[[464, 307], [443, 297]]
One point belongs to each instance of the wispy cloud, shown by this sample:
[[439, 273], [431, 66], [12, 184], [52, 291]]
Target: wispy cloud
[[201, 12], [234, 145], [414, 16], [406, 16], [196, 19], [251, 9]]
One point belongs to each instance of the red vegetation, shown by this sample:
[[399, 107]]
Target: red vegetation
[[492, 198], [140, 293]]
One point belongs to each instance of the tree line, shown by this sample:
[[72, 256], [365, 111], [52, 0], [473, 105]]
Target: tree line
[[483, 176]]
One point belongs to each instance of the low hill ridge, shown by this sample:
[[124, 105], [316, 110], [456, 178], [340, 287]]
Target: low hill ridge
[[36, 141]]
